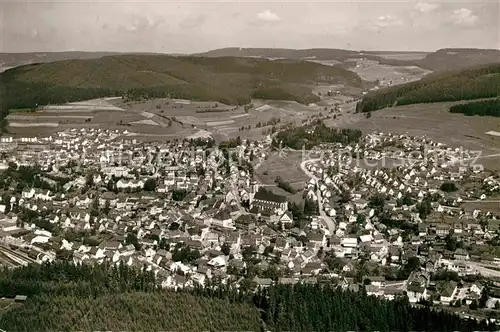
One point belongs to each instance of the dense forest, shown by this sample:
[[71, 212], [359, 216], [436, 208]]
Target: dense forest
[[317, 133], [132, 311], [324, 308], [469, 84], [482, 108], [62, 296]]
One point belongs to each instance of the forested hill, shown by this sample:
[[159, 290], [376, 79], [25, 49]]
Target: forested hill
[[228, 80], [458, 58], [473, 83], [65, 297]]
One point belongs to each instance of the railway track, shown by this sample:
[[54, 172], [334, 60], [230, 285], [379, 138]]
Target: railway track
[[14, 257]]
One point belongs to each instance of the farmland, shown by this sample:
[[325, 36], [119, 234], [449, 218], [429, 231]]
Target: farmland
[[370, 70], [161, 119]]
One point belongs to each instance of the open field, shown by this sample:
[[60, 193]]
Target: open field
[[436, 122], [226, 123], [286, 166], [370, 70], [404, 56]]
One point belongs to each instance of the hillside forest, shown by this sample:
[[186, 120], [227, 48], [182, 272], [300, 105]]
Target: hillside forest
[[474, 83], [482, 108]]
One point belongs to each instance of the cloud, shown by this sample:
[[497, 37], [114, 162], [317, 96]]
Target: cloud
[[384, 22], [464, 17], [268, 16], [193, 22], [426, 7], [141, 24]]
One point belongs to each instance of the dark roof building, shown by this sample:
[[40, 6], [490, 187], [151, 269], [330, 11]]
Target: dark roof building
[[266, 201]]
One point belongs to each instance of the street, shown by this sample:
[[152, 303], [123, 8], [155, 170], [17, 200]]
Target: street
[[327, 219]]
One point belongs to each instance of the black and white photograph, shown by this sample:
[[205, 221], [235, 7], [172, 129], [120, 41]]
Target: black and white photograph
[[249, 165]]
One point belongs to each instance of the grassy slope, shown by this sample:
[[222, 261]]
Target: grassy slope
[[469, 84], [230, 80]]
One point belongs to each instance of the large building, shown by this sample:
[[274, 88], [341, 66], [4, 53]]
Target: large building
[[268, 203]]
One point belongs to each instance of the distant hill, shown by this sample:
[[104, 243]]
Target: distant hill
[[228, 80], [453, 59], [469, 84], [317, 53], [9, 60], [441, 60]]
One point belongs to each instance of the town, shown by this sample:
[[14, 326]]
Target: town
[[394, 214]]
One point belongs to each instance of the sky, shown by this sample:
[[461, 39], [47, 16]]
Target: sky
[[195, 26]]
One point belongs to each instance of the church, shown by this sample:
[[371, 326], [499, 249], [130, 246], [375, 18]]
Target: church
[[267, 203]]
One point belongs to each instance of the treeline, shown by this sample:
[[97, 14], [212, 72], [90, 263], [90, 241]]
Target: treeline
[[286, 186], [63, 296], [310, 136], [189, 91], [481, 108], [67, 279], [469, 84]]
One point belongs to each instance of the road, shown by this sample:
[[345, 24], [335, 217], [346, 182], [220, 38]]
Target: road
[[483, 201], [326, 218], [483, 270]]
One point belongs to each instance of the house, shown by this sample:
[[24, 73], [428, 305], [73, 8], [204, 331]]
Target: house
[[263, 282], [222, 219], [20, 298], [245, 222], [395, 253], [448, 292], [318, 240], [461, 254], [416, 292], [442, 230], [376, 281], [284, 218], [217, 262], [349, 242]]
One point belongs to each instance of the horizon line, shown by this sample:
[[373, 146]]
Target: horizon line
[[258, 48]]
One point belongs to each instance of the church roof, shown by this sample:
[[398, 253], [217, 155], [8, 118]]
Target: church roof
[[269, 196]]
